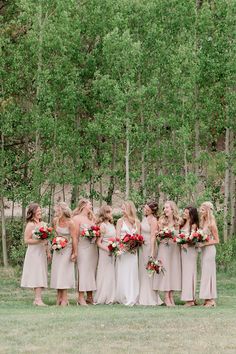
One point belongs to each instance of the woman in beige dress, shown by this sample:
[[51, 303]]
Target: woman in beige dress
[[208, 277], [87, 253], [35, 270], [127, 279], [63, 271], [148, 296], [105, 293], [169, 254], [189, 254]]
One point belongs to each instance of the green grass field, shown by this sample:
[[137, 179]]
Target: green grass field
[[117, 329]]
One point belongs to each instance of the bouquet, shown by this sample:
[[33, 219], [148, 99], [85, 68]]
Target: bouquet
[[198, 236], [42, 232], [166, 234], [154, 266], [91, 233], [115, 247], [59, 242], [132, 242], [193, 239]]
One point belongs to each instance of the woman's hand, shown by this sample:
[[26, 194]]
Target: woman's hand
[[49, 257], [73, 257], [184, 246]]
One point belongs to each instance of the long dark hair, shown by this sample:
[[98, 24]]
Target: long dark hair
[[154, 208], [31, 212], [194, 218]]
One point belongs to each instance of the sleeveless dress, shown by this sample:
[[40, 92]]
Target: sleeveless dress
[[63, 270], [105, 293], [170, 257], [208, 276], [35, 268], [127, 280], [87, 263], [189, 272], [147, 296]]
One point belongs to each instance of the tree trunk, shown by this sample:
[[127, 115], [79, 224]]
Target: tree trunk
[[232, 229], [4, 234], [226, 183], [127, 176], [112, 176]]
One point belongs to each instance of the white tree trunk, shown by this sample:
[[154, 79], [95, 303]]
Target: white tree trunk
[[232, 188], [226, 183], [127, 177]]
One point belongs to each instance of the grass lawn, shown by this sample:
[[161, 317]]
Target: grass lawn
[[118, 329]]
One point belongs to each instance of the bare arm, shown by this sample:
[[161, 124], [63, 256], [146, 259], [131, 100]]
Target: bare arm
[[76, 221], [138, 227], [73, 233], [99, 240], [215, 234], [118, 228], [154, 229]]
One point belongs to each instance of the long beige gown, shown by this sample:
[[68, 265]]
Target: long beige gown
[[189, 271], [127, 279], [35, 268], [105, 293], [208, 277], [63, 270], [171, 259], [87, 263], [147, 296]]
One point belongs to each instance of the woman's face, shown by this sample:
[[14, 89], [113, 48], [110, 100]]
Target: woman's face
[[167, 210], [58, 211], [38, 213], [88, 206], [109, 212], [123, 209], [203, 211], [186, 214], [147, 210]]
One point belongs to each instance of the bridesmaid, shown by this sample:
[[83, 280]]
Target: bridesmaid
[[105, 293], [35, 273], [169, 255], [189, 254], [127, 281], [147, 296], [63, 271], [208, 277], [87, 253]]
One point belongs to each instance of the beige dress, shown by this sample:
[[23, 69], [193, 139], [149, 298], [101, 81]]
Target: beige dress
[[63, 270], [35, 268], [208, 277], [87, 263], [147, 296], [189, 272], [105, 293], [170, 257], [127, 280]]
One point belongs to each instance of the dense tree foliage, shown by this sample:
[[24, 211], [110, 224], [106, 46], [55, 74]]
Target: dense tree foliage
[[135, 95]]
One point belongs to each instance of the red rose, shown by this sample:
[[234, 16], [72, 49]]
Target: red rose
[[41, 229], [110, 247], [95, 228], [44, 236], [50, 229], [126, 238]]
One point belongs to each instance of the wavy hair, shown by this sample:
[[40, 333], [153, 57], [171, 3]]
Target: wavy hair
[[210, 218], [103, 214], [31, 212], [194, 218], [154, 208], [81, 205], [66, 211], [131, 212], [164, 219]]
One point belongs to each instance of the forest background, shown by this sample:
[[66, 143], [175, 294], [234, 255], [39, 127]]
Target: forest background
[[114, 100]]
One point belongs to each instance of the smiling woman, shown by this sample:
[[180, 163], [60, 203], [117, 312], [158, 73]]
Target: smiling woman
[[35, 263]]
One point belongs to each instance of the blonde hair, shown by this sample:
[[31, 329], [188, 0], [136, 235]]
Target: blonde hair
[[81, 205], [103, 216], [210, 218], [66, 211], [130, 211], [164, 220]]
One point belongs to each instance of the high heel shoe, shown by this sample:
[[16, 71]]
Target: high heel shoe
[[81, 303]]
